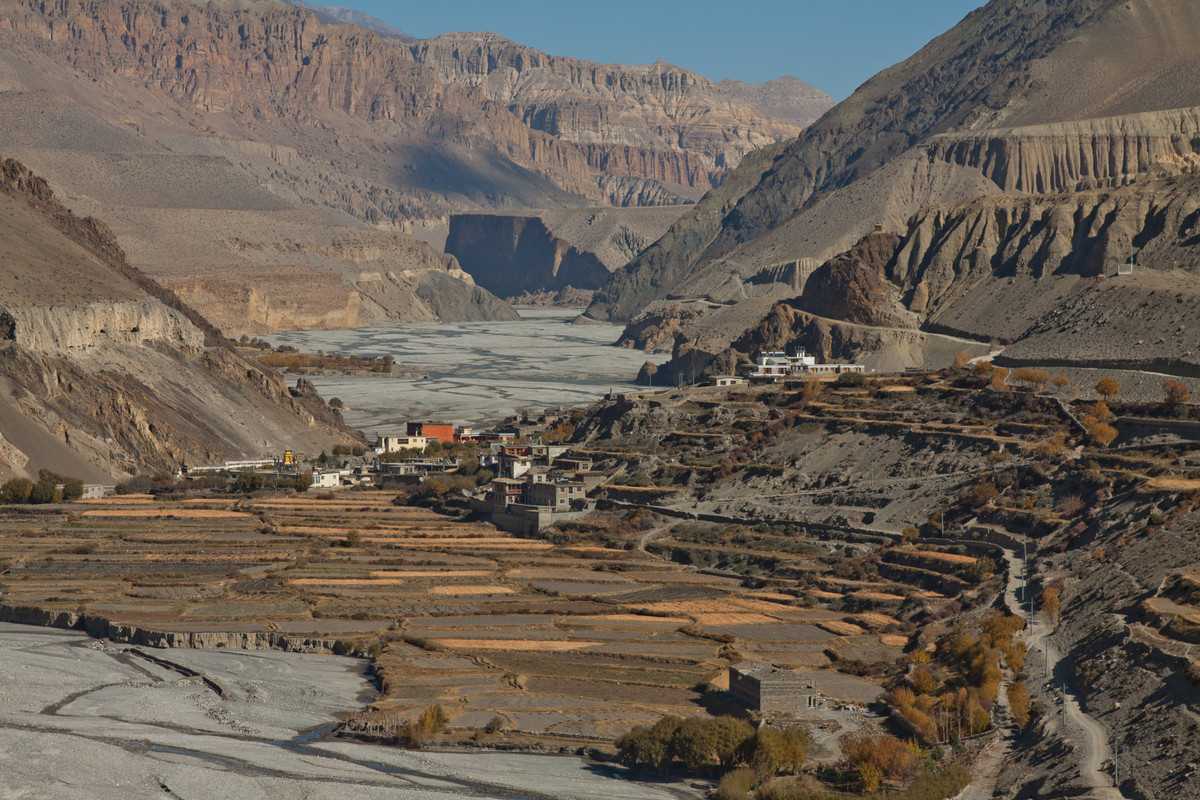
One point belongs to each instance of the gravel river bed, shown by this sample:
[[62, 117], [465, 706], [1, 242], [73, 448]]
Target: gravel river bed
[[84, 718], [479, 372]]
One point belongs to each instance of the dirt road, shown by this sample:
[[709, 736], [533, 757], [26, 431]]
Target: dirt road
[[1089, 736]]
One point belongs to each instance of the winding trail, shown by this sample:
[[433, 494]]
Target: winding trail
[[1089, 736]]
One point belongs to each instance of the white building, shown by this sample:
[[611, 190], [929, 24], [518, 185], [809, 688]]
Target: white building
[[330, 479], [394, 444], [774, 365]]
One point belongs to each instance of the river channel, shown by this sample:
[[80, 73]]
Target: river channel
[[479, 372], [84, 718]]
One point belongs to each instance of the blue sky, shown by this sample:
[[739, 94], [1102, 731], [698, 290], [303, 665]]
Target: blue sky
[[833, 44]]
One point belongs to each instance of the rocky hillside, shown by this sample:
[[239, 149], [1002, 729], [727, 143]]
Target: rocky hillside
[[106, 373], [552, 251], [997, 155], [655, 121]]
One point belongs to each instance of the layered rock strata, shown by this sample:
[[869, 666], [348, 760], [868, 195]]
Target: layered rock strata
[[654, 121]]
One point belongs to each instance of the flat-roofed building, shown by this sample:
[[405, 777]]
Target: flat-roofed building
[[769, 689]]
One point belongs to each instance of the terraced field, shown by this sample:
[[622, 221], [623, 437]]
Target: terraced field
[[579, 640]]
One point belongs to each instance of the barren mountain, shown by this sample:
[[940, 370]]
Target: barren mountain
[[655, 121], [995, 155], [105, 373], [266, 160]]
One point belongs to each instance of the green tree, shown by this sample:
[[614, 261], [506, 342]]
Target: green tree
[[72, 488], [16, 491], [695, 744], [855, 380], [650, 747], [46, 490], [248, 481]]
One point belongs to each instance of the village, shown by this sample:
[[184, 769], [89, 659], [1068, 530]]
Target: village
[[532, 485]]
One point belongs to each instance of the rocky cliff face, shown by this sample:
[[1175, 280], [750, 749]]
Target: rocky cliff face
[[1037, 273], [106, 373], [1077, 155], [655, 121], [512, 254], [957, 261], [60, 330]]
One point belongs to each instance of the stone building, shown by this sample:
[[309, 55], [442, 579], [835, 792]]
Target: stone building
[[769, 689]]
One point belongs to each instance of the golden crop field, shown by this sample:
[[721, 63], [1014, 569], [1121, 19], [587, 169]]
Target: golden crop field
[[452, 612]]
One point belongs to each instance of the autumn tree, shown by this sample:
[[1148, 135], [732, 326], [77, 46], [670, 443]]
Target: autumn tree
[[813, 387], [1000, 379], [1014, 656], [1102, 434], [1108, 388], [1034, 377], [1060, 381], [1050, 602], [874, 759], [961, 359], [1101, 411], [434, 719], [414, 733], [773, 750], [1018, 703], [981, 494], [1175, 395]]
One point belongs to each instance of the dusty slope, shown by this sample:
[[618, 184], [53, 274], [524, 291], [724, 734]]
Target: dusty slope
[[104, 372]]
